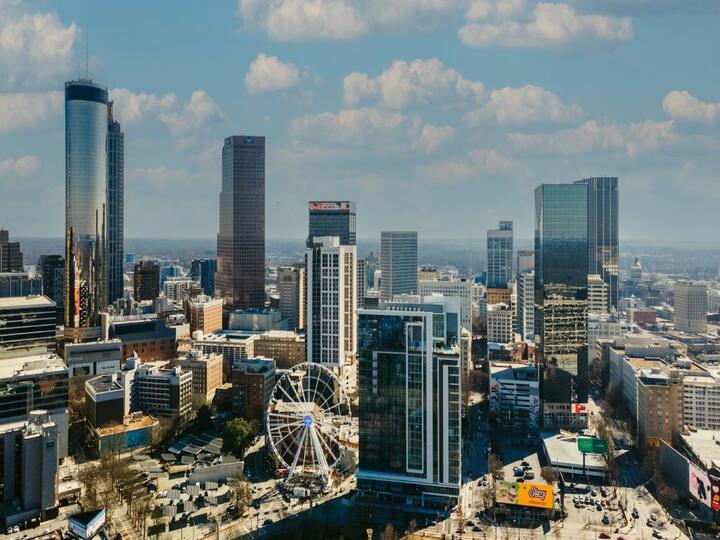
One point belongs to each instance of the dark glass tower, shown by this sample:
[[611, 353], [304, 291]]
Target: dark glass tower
[[603, 233], [332, 218], [86, 186], [11, 258], [500, 255], [116, 207], [240, 278], [203, 271], [52, 268], [561, 269]]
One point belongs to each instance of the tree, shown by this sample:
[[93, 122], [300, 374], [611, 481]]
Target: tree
[[388, 533], [237, 436], [203, 419], [549, 474], [240, 493], [88, 476], [495, 465]]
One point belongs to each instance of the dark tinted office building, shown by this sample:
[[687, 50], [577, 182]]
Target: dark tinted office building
[[116, 207], [332, 218], [146, 281], [11, 258], [52, 268], [203, 271], [27, 326], [240, 277], [561, 269], [603, 232], [19, 284]]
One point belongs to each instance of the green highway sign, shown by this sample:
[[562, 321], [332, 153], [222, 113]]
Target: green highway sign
[[590, 445]]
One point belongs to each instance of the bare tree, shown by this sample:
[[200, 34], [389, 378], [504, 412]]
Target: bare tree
[[549, 474], [495, 465], [240, 492]]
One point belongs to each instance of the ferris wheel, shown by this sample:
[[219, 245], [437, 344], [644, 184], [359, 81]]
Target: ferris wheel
[[307, 416]]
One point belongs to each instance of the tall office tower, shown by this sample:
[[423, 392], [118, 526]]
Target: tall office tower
[[291, 292], [561, 282], [52, 269], [409, 407], [372, 265], [603, 233], [332, 218], [170, 272], [146, 281], [500, 255], [11, 258], [203, 271], [240, 277], [398, 263], [331, 293], [525, 261], [86, 207], [598, 292], [19, 284], [361, 284], [690, 305], [116, 207], [525, 305]]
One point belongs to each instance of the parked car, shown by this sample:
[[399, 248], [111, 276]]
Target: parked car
[[606, 519], [603, 535], [635, 513], [657, 533]]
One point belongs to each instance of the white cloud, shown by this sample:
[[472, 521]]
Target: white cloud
[[130, 107], [418, 82], [519, 24], [269, 74], [300, 20], [682, 105], [433, 137], [35, 48], [630, 139], [479, 162], [20, 166], [371, 129], [195, 113], [524, 105], [161, 177], [23, 110]]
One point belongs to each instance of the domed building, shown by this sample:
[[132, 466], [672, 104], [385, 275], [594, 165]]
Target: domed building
[[636, 270]]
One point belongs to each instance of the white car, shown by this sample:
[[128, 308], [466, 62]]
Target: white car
[[653, 517]]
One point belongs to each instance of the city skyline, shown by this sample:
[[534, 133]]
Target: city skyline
[[449, 123]]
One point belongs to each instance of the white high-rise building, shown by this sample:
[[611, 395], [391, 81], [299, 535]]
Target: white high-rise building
[[597, 294], [499, 323], [398, 263], [526, 305], [291, 293], [701, 402], [690, 307], [331, 293], [461, 289]]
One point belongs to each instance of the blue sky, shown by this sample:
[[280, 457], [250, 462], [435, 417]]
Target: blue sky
[[435, 115]]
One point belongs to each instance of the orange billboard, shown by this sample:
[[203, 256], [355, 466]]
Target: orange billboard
[[524, 494]]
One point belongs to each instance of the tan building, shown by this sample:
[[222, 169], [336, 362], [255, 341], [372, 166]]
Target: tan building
[[206, 314], [207, 372], [286, 348], [659, 401], [499, 296], [597, 294]]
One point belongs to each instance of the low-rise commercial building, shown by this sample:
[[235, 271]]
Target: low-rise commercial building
[[207, 373], [93, 358], [151, 338], [253, 380], [286, 348], [27, 326], [257, 320], [205, 314], [515, 395]]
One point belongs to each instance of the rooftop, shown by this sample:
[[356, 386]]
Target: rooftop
[[705, 444], [14, 302], [144, 421], [561, 449], [26, 366]]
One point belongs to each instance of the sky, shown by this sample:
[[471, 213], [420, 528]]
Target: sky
[[440, 116]]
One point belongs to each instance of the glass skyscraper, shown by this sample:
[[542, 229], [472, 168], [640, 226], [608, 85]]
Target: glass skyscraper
[[398, 263], [332, 218], [203, 271], [409, 407], [240, 278], [500, 255], [603, 233], [561, 270], [86, 188], [116, 207]]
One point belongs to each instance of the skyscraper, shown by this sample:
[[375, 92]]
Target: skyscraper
[[291, 293], [11, 258], [116, 207], [86, 207], [240, 277], [561, 282], [52, 269], [690, 305], [500, 255], [146, 281], [398, 263], [603, 233], [203, 271], [331, 285], [409, 386], [332, 218]]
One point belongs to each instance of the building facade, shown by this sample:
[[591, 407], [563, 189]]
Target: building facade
[[240, 277], [52, 269], [253, 381], [291, 292], [146, 281], [27, 326], [116, 207], [500, 255], [409, 410], [525, 305], [499, 323], [561, 270], [461, 289], [86, 207], [690, 303], [11, 258], [331, 300], [207, 373], [203, 271], [398, 263], [19, 284], [205, 314], [93, 358], [332, 218]]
